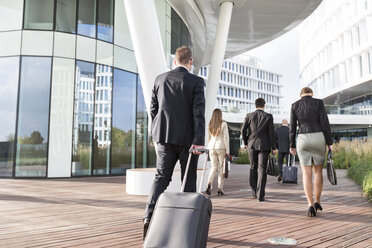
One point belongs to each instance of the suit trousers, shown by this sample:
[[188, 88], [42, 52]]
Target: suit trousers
[[217, 157], [281, 156], [257, 176], [167, 157]]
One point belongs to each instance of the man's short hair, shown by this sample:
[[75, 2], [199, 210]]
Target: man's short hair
[[183, 55], [260, 103], [306, 90]]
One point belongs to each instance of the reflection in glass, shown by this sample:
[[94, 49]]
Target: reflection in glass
[[66, 16], [33, 117], [39, 14], [8, 109], [102, 120], [180, 35], [141, 129], [105, 20], [87, 18], [123, 121], [82, 136]]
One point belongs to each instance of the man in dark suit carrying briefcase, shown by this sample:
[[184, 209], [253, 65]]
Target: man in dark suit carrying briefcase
[[282, 143], [178, 124], [259, 139]]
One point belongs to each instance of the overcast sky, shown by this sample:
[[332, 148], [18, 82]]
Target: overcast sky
[[281, 56]]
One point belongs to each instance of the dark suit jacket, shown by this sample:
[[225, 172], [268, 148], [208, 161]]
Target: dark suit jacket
[[177, 108], [311, 116], [258, 131], [282, 139]]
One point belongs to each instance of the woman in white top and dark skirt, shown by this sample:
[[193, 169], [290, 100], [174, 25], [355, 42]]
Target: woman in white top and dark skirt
[[218, 146], [314, 135]]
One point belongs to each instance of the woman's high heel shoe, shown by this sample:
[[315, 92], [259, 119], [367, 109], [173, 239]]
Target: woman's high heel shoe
[[311, 212], [208, 190], [220, 192], [317, 207]]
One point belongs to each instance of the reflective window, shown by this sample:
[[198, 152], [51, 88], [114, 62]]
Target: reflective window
[[87, 18], [82, 135], [141, 129], [102, 127], [33, 117], [8, 109], [39, 14], [105, 23], [180, 35], [123, 122], [66, 16]]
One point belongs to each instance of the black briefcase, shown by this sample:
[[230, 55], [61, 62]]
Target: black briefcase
[[272, 168], [331, 172]]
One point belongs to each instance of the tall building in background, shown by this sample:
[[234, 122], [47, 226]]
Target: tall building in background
[[243, 80], [336, 62]]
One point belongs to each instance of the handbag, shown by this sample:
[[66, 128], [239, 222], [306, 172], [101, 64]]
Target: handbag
[[272, 168], [226, 166], [331, 172]]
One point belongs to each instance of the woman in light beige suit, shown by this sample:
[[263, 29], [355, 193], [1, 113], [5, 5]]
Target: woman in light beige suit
[[218, 145]]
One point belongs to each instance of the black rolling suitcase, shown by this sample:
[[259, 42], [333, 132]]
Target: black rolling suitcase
[[289, 171], [181, 219]]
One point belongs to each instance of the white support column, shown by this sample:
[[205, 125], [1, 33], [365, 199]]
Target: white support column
[[214, 77], [147, 44]]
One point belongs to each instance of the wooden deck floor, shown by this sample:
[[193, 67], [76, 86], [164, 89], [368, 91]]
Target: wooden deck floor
[[96, 212]]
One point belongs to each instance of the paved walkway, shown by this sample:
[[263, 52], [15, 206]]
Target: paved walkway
[[96, 212]]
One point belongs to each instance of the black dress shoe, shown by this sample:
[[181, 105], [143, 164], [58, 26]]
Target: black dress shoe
[[254, 194], [220, 192], [279, 178], [208, 190], [311, 212], [261, 200], [317, 207], [146, 223]]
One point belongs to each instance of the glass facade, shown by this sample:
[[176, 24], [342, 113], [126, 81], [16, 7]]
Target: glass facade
[[123, 122], [33, 117], [180, 35], [87, 18], [359, 106], [38, 14], [74, 105], [8, 111], [105, 23], [102, 120], [66, 16], [82, 136]]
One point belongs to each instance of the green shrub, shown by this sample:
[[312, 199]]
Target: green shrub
[[243, 157], [356, 156]]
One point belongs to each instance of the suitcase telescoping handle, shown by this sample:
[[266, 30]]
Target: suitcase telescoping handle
[[291, 159], [206, 151]]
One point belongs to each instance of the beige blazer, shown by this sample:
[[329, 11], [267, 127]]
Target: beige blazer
[[221, 141]]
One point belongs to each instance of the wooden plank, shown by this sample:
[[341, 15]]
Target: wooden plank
[[96, 212]]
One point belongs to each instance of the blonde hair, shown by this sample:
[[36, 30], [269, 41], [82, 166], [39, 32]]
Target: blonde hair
[[215, 123], [183, 55], [306, 90]]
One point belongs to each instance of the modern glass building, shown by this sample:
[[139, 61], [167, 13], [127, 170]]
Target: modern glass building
[[243, 80], [71, 100], [336, 62]]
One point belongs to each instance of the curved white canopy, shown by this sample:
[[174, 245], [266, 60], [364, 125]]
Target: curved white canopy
[[253, 23]]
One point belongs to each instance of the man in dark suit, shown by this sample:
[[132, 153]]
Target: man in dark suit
[[178, 124], [259, 139], [282, 143]]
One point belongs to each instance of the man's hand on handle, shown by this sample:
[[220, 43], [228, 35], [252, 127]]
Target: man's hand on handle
[[293, 151], [196, 147]]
